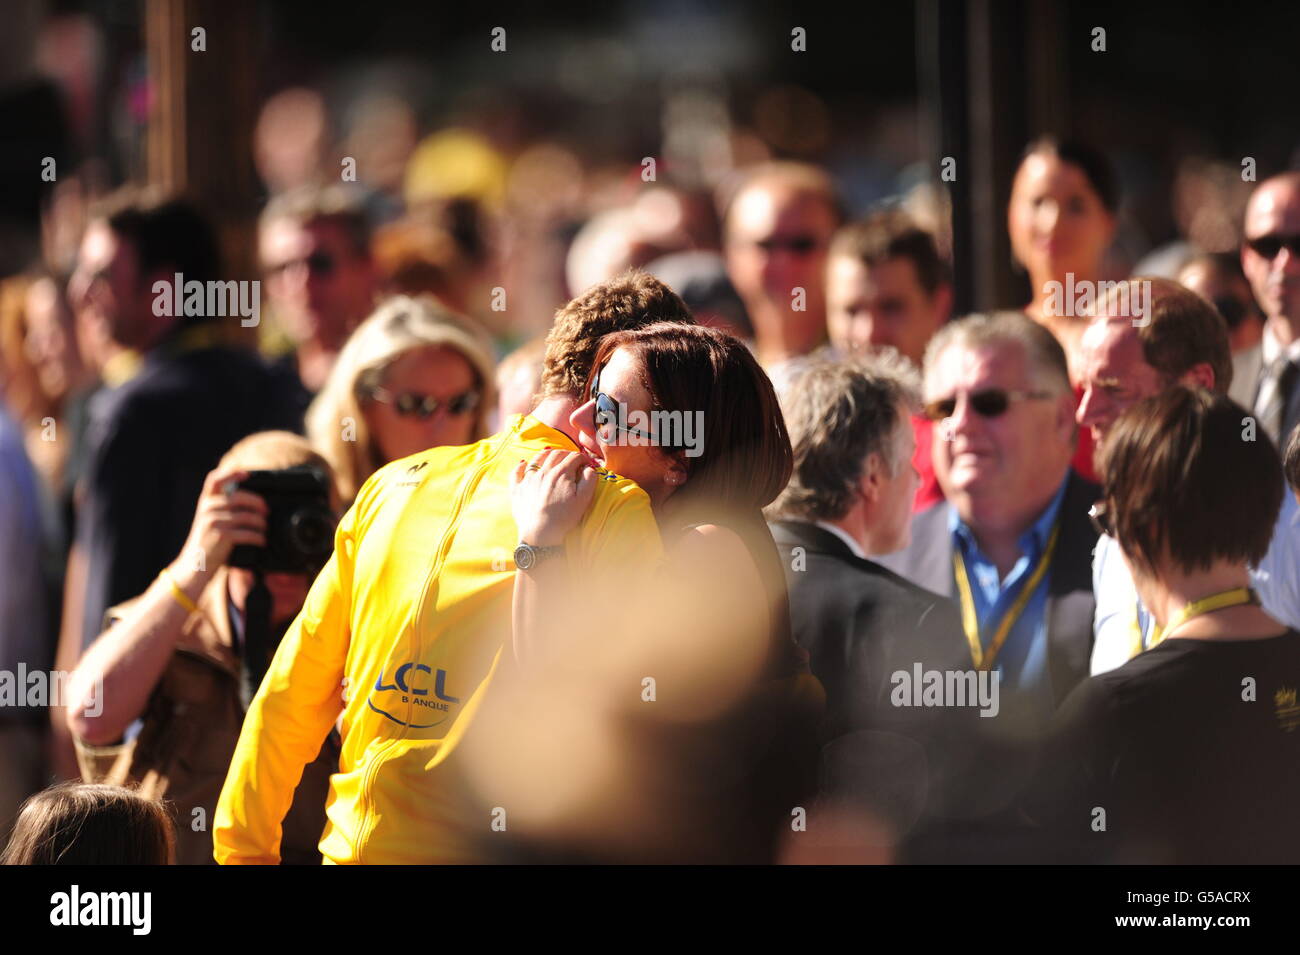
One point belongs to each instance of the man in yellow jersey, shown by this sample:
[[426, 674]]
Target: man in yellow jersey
[[411, 618]]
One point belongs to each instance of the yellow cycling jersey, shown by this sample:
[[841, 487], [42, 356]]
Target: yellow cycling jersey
[[406, 625]]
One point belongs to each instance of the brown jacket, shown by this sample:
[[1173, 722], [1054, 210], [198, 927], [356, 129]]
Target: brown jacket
[[191, 726]]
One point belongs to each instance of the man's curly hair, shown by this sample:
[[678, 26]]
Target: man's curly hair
[[631, 301]]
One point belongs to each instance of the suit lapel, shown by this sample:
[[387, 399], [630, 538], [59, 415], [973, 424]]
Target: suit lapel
[[1070, 603]]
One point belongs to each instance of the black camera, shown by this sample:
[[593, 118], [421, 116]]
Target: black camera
[[299, 522]]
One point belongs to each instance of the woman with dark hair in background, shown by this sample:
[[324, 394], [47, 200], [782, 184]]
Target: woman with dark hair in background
[[1062, 218], [1189, 752], [725, 753]]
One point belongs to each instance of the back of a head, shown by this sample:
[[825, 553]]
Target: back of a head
[[91, 824], [168, 235], [744, 455], [1178, 474], [628, 302], [1180, 330]]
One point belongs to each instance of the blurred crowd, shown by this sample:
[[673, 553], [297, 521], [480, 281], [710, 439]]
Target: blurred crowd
[[1039, 493]]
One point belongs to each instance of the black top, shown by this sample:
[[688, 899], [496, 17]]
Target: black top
[[150, 443], [1191, 748]]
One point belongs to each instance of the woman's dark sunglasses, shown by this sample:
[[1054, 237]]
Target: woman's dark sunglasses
[[988, 403], [607, 413], [411, 403]]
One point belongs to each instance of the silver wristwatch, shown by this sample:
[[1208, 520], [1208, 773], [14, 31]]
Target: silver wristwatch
[[527, 556]]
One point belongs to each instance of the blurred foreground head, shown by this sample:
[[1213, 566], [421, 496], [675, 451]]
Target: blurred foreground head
[[83, 824]]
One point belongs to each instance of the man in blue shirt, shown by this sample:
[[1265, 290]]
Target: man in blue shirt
[[1012, 542]]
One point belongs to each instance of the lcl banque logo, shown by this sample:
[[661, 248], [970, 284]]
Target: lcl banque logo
[[403, 683]]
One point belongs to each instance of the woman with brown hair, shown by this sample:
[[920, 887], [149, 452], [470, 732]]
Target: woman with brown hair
[[1188, 753], [708, 772], [91, 824]]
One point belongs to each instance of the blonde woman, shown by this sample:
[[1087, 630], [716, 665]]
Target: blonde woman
[[412, 376]]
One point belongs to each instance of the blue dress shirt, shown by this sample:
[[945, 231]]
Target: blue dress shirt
[[1022, 661]]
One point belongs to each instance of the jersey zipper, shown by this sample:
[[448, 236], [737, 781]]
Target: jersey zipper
[[368, 822]]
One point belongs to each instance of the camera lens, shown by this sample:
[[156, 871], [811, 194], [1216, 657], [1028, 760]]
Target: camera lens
[[311, 533]]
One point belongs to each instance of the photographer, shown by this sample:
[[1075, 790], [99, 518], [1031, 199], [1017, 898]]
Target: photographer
[[174, 671]]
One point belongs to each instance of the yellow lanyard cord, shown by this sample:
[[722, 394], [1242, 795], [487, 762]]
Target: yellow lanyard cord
[[1220, 601], [982, 659], [1135, 626]]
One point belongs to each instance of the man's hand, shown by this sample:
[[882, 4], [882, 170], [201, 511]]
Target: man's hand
[[550, 494]]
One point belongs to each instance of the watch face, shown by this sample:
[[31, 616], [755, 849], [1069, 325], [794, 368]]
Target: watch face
[[524, 557]]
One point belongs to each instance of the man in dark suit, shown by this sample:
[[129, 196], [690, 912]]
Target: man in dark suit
[[851, 495], [1267, 377], [1013, 542]]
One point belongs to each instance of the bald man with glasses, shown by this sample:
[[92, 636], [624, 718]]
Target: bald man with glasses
[[1266, 376]]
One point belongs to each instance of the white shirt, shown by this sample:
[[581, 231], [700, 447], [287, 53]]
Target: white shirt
[[853, 545], [1270, 349], [1117, 607], [1276, 580]]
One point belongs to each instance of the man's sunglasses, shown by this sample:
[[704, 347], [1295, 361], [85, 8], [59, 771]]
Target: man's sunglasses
[[411, 403], [795, 244], [1268, 246], [1101, 519], [988, 402], [318, 263]]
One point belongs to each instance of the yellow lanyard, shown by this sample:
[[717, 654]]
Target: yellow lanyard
[[1223, 599], [982, 659]]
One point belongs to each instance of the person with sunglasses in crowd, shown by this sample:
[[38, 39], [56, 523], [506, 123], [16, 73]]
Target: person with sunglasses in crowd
[[413, 376], [1267, 374], [1012, 542], [777, 229], [314, 246], [1188, 753], [726, 752], [411, 621]]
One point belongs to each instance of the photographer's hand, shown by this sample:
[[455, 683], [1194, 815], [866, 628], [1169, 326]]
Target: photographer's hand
[[221, 521], [113, 681]]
